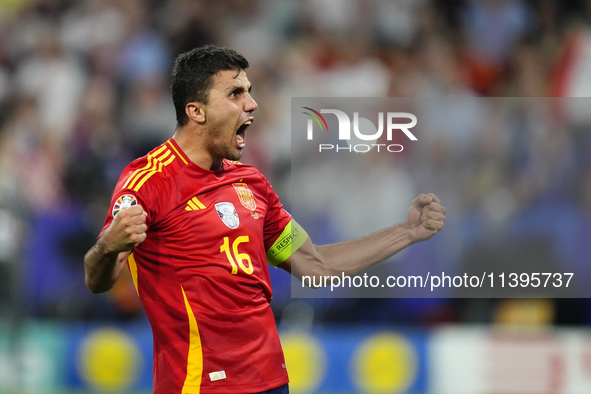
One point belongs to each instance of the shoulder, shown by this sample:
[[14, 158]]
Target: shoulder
[[150, 173]]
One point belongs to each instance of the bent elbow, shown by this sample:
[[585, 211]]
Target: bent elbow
[[94, 287]]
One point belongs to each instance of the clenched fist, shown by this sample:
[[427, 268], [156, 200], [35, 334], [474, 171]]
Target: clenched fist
[[127, 230], [425, 217]]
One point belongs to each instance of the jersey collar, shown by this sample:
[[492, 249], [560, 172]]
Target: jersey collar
[[177, 149]]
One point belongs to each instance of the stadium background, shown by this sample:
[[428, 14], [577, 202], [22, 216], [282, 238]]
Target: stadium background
[[84, 90]]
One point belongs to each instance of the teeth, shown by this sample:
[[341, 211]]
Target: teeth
[[249, 122], [240, 139]]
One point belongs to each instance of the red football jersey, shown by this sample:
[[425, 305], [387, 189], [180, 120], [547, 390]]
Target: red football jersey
[[202, 275]]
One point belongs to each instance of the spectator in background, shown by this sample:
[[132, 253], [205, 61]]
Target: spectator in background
[[71, 72]]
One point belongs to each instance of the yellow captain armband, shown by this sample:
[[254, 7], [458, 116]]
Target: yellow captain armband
[[290, 240]]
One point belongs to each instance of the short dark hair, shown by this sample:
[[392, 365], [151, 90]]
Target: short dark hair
[[193, 72]]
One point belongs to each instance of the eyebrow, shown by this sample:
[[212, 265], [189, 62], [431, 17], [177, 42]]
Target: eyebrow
[[240, 89]]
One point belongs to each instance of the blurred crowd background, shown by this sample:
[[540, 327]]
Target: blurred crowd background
[[84, 89]]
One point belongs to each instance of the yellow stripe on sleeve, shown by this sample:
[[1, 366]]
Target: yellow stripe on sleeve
[[167, 162], [192, 383], [149, 174], [155, 165], [146, 175], [148, 166], [193, 206], [133, 271]]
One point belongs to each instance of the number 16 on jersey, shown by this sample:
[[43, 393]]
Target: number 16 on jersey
[[240, 257]]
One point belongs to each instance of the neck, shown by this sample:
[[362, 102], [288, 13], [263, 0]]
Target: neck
[[188, 140]]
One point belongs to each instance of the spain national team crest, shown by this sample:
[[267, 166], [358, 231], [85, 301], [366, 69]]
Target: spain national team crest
[[228, 214], [245, 195], [125, 201]]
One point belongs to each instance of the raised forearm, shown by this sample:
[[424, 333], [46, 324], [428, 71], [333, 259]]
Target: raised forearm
[[351, 257], [102, 268], [105, 260], [357, 255], [425, 218]]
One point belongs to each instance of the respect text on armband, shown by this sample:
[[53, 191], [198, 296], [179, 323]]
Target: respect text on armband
[[287, 240]]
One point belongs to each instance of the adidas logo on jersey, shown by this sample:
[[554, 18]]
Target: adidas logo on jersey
[[194, 205]]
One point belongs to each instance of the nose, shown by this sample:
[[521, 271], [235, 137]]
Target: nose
[[251, 105]]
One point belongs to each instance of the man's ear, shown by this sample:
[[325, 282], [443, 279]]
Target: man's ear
[[195, 111]]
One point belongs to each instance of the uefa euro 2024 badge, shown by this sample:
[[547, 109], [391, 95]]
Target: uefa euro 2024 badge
[[228, 214], [125, 201]]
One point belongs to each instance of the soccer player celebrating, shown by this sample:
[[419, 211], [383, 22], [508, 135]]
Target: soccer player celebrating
[[197, 230]]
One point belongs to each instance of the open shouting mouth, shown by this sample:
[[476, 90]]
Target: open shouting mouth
[[241, 132]]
